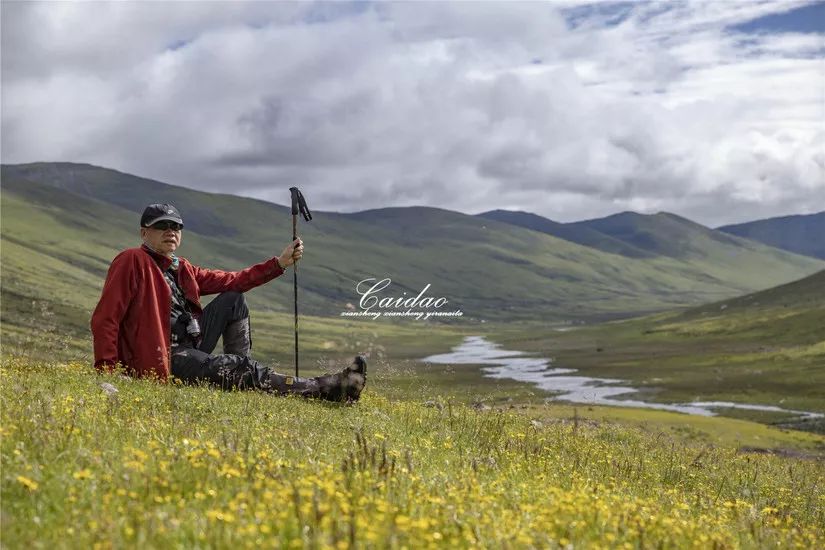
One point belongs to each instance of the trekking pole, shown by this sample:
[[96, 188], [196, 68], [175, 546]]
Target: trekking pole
[[299, 206]]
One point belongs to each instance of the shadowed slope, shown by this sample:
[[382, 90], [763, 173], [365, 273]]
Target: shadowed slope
[[799, 234]]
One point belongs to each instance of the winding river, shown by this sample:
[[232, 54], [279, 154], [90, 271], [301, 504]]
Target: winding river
[[516, 365]]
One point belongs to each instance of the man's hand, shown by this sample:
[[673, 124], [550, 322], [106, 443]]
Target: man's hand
[[291, 253]]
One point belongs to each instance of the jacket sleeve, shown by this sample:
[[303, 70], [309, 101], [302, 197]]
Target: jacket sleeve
[[213, 281], [118, 291]]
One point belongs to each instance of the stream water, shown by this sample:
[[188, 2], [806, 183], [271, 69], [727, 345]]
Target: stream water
[[516, 365]]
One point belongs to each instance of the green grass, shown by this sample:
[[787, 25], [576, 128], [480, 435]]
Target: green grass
[[711, 430], [156, 465]]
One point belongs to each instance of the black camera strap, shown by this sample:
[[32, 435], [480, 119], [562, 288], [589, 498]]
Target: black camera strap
[[181, 313]]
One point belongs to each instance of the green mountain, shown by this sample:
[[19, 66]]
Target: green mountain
[[580, 234], [651, 237], [664, 234], [633, 235], [804, 234], [63, 223]]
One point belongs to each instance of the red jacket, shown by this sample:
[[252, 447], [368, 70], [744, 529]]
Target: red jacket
[[130, 324]]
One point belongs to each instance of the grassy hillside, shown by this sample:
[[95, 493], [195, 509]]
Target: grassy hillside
[[788, 313], [766, 348], [649, 236], [799, 234], [490, 270], [147, 465], [580, 234], [664, 234]]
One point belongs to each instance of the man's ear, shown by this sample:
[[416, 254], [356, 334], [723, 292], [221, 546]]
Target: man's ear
[[142, 233]]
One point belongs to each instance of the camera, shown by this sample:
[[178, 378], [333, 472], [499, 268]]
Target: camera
[[193, 328], [186, 327]]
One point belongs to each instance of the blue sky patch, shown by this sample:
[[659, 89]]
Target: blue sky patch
[[809, 19], [177, 44], [612, 13]]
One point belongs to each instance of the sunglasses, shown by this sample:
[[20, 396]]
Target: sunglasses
[[166, 224]]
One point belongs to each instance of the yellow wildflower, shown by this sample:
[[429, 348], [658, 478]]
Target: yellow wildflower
[[29, 484]]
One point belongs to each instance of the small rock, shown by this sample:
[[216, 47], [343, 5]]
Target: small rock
[[434, 404], [481, 407], [111, 393], [536, 424]]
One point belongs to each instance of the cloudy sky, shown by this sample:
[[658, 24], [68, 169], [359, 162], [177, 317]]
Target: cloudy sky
[[714, 110]]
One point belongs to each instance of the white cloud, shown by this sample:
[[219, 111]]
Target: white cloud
[[469, 106]]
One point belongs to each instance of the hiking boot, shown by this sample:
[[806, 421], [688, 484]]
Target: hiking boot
[[346, 385], [283, 384]]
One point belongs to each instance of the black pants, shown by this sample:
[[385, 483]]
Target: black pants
[[228, 316]]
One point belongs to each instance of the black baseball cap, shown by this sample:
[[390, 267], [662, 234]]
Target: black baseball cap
[[155, 213]]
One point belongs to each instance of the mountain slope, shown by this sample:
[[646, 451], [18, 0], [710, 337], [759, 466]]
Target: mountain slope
[[569, 232], [792, 313], [804, 234], [661, 234], [663, 238], [63, 223], [724, 260], [805, 293]]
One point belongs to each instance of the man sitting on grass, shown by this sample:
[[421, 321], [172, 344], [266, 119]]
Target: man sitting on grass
[[150, 321]]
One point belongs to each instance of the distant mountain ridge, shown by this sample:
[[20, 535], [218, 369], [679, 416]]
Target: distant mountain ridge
[[664, 234], [801, 234], [581, 234], [629, 234]]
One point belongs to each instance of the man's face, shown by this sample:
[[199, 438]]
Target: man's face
[[161, 238]]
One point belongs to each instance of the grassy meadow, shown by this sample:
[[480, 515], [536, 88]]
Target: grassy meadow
[[433, 456], [140, 464]]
